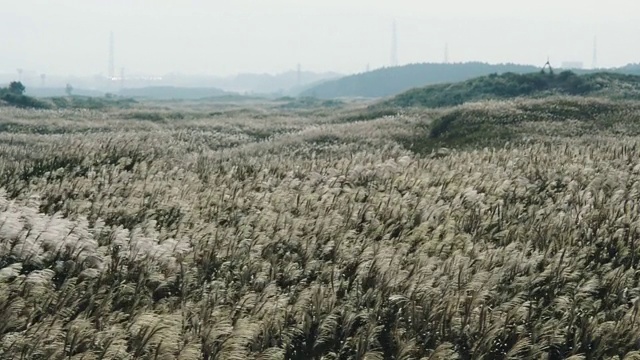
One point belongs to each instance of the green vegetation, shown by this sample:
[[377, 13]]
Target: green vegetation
[[510, 85], [14, 95], [16, 88], [90, 102]]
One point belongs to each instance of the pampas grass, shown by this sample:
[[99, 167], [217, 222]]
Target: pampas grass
[[291, 236]]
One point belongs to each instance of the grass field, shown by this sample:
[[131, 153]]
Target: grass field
[[257, 231]]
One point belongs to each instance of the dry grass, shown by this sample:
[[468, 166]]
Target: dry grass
[[288, 236]]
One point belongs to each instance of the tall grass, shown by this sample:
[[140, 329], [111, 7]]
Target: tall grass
[[196, 239]]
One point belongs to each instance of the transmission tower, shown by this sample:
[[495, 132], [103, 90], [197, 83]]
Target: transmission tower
[[20, 75], [594, 60], [112, 63], [43, 78], [394, 45], [547, 65], [446, 53], [299, 73]]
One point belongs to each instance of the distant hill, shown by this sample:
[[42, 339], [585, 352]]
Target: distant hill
[[286, 83], [172, 93], [630, 69], [511, 85], [279, 84], [394, 80]]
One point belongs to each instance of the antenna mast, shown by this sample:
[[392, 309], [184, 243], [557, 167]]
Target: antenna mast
[[446, 53], [594, 61], [547, 65], [112, 64], [394, 45]]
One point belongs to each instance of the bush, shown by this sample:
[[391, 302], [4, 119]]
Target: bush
[[24, 101], [14, 95], [16, 87], [93, 103]]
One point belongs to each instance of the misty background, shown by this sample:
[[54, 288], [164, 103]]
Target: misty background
[[215, 41]]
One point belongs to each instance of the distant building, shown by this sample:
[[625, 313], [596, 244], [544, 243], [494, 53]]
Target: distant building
[[572, 65]]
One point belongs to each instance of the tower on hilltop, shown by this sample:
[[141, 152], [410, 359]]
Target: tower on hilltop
[[112, 64], [394, 45]]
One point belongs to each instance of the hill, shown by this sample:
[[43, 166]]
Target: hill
[[511, 85], [493, 123], [391, 81], [287, 83]]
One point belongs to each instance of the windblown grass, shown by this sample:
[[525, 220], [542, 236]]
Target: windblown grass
[[198, 239]]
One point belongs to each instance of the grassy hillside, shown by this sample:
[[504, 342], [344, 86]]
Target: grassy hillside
[[495, 123], [511, 85], [394, 80]]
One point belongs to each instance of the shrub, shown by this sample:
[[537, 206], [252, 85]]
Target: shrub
[[24, 101]]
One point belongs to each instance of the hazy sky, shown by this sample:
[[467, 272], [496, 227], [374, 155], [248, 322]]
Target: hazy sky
[[226, 37]]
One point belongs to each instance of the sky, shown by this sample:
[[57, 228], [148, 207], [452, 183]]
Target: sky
[[156, 37]]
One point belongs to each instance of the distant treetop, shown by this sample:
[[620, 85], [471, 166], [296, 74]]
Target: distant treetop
[[16, 87]]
